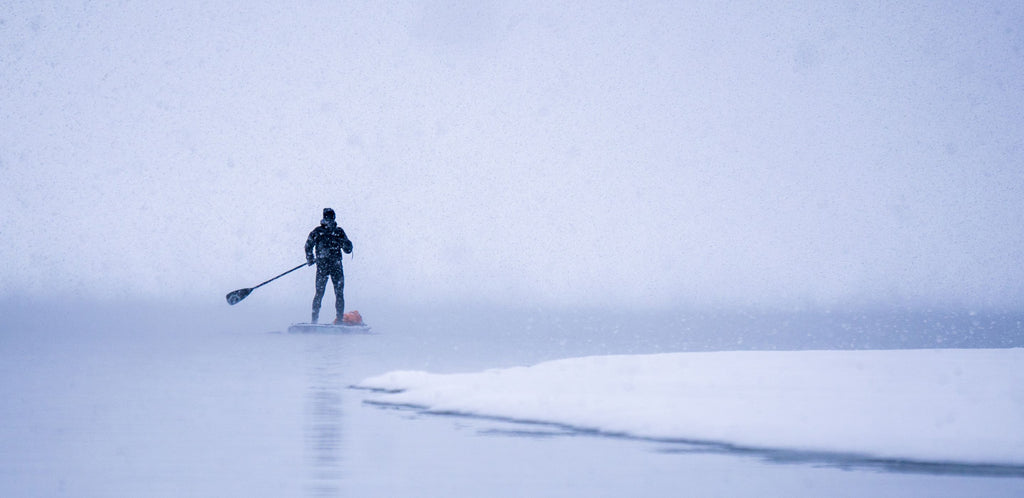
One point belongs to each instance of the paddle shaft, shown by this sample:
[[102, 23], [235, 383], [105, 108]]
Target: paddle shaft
[[279, 276], [240, 294]]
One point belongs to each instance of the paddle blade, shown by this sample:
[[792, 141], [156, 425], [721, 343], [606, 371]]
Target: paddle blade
[[238, 295]]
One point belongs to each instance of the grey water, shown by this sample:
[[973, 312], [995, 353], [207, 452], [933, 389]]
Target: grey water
[[130, 399]]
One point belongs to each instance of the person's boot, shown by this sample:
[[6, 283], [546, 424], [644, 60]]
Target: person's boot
[[315, 317]]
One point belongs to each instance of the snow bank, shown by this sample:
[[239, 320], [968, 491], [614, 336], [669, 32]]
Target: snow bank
[[963, 406]]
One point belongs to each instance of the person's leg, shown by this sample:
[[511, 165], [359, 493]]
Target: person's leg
[[338, 278], [321, 286]]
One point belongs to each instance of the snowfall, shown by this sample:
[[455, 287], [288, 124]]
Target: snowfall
[[963, 406]]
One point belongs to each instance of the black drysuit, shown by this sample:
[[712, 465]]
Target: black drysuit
[[330, 242]]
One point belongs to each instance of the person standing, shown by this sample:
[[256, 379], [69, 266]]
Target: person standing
[[330, 242]]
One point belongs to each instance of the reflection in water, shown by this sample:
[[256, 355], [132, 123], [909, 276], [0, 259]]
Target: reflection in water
[[851, 461], [323, 426], [504, 427]]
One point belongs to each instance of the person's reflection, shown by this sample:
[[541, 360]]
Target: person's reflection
[[324, 432]]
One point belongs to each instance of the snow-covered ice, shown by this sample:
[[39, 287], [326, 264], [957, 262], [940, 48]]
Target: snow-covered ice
[[950, 406]]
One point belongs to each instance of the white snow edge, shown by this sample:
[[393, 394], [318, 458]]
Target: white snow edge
[[939, 405]]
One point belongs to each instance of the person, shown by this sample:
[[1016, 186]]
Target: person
[[330, 242]]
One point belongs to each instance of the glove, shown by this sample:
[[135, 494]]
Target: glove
[[310, 261]]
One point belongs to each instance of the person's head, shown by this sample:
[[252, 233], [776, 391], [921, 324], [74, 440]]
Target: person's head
[[328, 216]]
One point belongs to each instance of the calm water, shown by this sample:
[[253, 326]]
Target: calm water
[[137, 401]]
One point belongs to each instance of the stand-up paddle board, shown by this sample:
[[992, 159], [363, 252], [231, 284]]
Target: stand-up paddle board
[[329, 328]]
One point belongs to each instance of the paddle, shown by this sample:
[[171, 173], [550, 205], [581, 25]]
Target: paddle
[[235, 296]]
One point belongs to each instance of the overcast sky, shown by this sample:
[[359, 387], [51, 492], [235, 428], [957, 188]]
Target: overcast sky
[[677, 153]]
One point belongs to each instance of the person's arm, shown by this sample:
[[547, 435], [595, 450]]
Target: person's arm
[[346, 245], [310, 242]]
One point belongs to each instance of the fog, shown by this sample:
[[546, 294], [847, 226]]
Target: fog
[[523, 182], [652, 155]]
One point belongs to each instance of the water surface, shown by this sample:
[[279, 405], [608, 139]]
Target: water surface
[[131, 400]]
